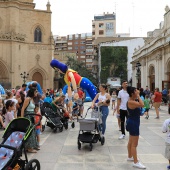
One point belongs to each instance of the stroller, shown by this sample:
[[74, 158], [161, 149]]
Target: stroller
[[14, 138], [90, 128], [54, 120]]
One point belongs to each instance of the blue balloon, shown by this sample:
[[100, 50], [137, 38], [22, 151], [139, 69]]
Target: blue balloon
[[2, 90], [38, 86]]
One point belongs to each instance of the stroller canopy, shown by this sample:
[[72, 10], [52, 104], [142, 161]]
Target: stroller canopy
[[2, 91]]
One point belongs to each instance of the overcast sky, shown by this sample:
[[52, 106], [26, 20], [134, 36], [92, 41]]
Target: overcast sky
[[134, 16]]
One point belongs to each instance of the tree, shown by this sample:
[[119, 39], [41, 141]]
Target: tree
[[113, 63], [80, 67]]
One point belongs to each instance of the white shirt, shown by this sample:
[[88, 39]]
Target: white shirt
[[166, 128], [124, 96]]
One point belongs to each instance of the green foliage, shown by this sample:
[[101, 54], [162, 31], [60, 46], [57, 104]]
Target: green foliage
[[113, 63], [80, 67]]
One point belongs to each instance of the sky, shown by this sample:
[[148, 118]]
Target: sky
[[136, 17]]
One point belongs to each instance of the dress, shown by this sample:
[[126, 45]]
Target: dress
[[133, 121], [32, 141]]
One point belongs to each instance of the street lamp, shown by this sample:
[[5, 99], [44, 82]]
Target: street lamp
[[24, 75], [138, 73]]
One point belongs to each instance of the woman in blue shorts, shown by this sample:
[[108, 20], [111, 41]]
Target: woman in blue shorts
[[132, 125]]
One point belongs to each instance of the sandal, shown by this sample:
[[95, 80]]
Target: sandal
[[31, 151]]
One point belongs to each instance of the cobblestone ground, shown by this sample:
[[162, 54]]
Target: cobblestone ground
[[59, 150]]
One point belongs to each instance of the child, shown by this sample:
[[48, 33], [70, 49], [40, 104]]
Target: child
[[75, 109], [147, 106], [114, 97], [38, 127], [8, 112], [166, 129]]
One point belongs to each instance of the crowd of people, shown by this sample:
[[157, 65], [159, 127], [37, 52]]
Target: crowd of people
[[126, 103]]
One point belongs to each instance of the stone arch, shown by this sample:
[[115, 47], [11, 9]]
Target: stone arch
[[38, 71], [4, 75], [167, 71], [37, 25], [152, 77]]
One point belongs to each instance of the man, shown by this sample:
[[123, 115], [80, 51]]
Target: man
[[147, 91], [122, 99], [23, 89], [164, 95]]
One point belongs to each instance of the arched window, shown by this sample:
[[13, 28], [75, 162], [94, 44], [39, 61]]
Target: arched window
[[37, 35]]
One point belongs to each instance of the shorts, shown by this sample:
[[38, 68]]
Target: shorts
[[132, 127], [113, 100], [167, 151], [118, 116], [75, 112], [147, 110], [37, 131], [156, 104]]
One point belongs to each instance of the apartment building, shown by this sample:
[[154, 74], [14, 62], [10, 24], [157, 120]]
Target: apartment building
[[79, 44], [104, 25]]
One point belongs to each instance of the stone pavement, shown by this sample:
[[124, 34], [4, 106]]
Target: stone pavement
[[59, 150]]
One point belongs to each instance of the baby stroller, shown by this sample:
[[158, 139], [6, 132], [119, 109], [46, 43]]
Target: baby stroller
[[14, 138], [54, 120], [89, 128]]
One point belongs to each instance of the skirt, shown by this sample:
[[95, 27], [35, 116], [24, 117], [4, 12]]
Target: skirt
[[31, 142]]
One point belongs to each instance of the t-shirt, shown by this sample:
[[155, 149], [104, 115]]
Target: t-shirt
[[8, 118], [18, 92], [48, 99], [158, 97], [147, 103], [124, 96], [114, 96], [166, 129]]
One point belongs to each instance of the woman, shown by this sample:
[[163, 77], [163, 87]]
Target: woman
[[58, 103], [21, 102], [157, 97], [103, 101], [132, 125], [28, 108]]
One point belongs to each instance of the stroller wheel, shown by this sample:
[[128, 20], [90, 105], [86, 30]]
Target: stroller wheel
[[91, 147], [79, 145], [102, 140], [33, 164], [66, 126], [43, 128], [61, 129], [73, 125], [55, 130]]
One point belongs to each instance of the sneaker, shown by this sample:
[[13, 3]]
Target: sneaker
[[168, 167], [130, 159], [139, 165], [122, 136]]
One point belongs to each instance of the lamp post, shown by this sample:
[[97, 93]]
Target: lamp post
[[24, 75], [138, 74]]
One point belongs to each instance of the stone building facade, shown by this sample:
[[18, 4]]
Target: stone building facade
[[154, 58], [26, 43]]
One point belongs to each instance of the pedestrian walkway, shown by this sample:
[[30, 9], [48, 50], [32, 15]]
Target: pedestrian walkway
[[59, 150]]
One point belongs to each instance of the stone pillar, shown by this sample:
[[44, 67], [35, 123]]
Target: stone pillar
[[143, 73]]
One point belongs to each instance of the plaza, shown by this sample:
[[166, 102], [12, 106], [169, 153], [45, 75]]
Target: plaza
[[59, 150]]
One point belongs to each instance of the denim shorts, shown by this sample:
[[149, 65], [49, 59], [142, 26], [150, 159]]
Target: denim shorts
[[133, 127], [38, 131]]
